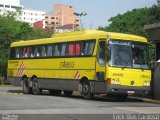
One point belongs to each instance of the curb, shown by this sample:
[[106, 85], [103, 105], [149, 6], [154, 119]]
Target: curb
[[6, 86], [6, 93], [151, 101], [147, 100]]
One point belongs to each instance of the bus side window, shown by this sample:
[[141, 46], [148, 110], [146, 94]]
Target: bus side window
[[32, 52], [63, 49], [78, 49], [90, 47], [20, 52], [36, 54], [56, 50], [84, 48], [13, 53], [87, 47], [43, 52], [17, 52], [71, 49], [49, 51], [26, 52]]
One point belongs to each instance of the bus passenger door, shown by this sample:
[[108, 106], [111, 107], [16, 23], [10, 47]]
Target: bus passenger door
[[100, 67]]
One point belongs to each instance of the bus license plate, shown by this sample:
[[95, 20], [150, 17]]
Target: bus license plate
[[130, 92]]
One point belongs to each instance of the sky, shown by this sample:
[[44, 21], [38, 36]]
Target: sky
[[98, 11]]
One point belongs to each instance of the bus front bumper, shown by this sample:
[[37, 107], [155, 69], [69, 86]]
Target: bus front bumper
[[144, 90], [103, 87]]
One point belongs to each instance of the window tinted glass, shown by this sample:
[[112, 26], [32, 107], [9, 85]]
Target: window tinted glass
[[71, 49], [63, 49], [78, 49], [43, 54], [49, 51], [87, 47], [101, 53], [13, 53], [56, 51]]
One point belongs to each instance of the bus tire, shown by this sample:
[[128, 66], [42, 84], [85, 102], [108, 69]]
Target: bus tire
[[35, 89], [67, 93], [25, 86], [86, 90], [55, 92]]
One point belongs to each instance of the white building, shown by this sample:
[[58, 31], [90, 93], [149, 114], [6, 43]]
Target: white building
[[10, 2], [28, 15], [9, 5], [32, 16]]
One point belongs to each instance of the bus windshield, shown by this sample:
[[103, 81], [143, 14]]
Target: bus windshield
[[128, 54]]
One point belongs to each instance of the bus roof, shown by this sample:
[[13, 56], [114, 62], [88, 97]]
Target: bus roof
[[79, 35]]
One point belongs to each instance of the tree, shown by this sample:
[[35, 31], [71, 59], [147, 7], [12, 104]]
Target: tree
[[11, 31], [130, 22]]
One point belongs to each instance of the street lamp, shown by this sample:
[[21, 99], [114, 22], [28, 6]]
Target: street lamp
[[80, 14]]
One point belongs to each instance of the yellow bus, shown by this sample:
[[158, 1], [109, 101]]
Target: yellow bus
[[89, 61]]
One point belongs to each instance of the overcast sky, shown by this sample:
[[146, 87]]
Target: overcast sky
[[99, 11]]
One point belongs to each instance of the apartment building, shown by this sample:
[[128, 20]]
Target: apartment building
[[62, 18], [31, 16], [9, 6]]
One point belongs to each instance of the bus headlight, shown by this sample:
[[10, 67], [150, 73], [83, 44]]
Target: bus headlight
[[146, 83], [113, 81], [117, 81]]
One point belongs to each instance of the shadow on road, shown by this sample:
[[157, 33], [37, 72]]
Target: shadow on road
[[15, 91], [78, 96]]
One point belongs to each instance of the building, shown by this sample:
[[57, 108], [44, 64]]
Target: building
[[52, 21], [10, 2], [153, 31], [32, 16], [62, 18], [9, 6], [27, 15], [38, 24]]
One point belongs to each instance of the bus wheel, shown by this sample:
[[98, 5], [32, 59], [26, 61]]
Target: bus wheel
[[55, 92], [25, 86], [35, 89], [86, 91], [67, 93]]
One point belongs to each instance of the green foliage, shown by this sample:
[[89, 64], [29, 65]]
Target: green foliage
[[154, 11], [131, 22], [11, 31]]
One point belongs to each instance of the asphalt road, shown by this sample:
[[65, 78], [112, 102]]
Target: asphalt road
[[12, 101]]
